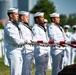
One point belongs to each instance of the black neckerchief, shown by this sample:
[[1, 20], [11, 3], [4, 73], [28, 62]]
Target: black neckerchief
[[60, 28], [42, 27], [27, 25], [16, 24]]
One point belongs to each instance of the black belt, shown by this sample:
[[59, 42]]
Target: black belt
[[18, 45]]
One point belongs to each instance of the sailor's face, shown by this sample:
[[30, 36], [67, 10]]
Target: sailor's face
[[15, 16], [57, 20], [41, 19], [26, 18]]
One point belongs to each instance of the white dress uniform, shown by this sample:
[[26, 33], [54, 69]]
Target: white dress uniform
[[67, 52], [14, 47], [40, 51], [57, 34], [49, 58], [5, 55], [73, 50], [2, 47], [28, 49], [73, 38]]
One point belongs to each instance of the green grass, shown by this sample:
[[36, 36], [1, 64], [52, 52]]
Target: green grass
[[4, 70]]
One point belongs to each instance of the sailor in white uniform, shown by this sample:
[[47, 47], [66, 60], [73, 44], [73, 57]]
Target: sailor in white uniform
[[67, 52], [57, 34], [28, 50], [40, 50], [73, 38], [50, 59], [15, 43]]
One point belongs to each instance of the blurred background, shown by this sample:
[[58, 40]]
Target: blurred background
[[66, 8]]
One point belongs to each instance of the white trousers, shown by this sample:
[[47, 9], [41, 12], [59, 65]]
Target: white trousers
[[15, 61]]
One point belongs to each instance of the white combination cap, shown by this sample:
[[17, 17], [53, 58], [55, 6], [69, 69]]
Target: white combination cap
[[66, 26], [74, 26], [23, 13], [54, 15], [38, 14], [45, 20], [12, 10]]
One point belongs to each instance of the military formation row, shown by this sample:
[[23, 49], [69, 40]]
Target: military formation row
[[20, 54]]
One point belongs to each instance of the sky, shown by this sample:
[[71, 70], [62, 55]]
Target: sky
[[65, 6], [62, 6]]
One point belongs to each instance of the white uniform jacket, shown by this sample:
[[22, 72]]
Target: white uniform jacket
[[73, 37], [68, 34], [40, 34], [26, 35], [12, 37], [57, 35]]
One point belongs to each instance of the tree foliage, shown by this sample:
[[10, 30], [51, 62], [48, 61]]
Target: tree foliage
[[72, 19], [45, 6], [48, 7], [63, 19]]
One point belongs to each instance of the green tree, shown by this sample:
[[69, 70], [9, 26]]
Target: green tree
[[63, 19], [72, 19], [45, 6]]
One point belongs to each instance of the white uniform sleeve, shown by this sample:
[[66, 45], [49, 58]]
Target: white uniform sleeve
[[53, 35], [36, 34], [13, 35], [73, 37]]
